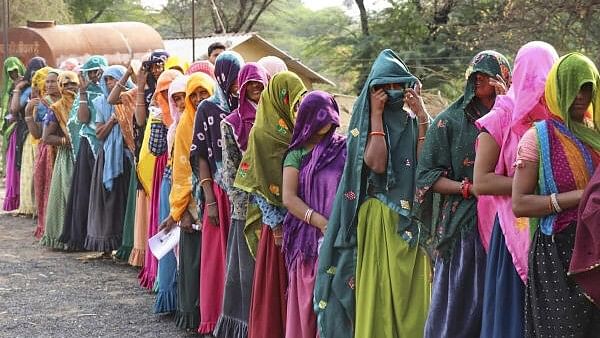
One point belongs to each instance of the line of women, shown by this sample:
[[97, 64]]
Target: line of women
[[481, 222]]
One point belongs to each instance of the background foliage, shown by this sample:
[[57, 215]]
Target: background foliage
[[436, 38]]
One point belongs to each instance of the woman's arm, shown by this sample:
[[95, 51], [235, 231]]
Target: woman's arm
[[526, 203], [103, 129], [206, 182], [294, 204], [485, 180], [15, 101], [376, 150], [34, 128], [49, 135]]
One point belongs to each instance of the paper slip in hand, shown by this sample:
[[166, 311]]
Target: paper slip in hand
[[161, 243]]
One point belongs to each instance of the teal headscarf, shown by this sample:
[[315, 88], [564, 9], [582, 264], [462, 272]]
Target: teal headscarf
[[334, 293], [449, 151], [87, 130]]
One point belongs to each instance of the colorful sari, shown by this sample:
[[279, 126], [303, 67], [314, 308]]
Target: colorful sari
[[110, 176], [568, 154], [506, 268], [180, 198], [372, 276], [207, 145], [235, 128], [260, 174], [63, 166], [318, 179], [448, 223]]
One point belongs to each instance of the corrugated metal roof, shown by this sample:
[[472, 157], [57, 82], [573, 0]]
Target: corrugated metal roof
[[183, 48]]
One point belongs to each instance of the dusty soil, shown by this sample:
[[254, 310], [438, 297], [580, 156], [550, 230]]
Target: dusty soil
[[46, 293]]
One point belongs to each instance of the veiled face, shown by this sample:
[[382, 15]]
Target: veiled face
[[198, 95], [581, 103], [110, 82], [483, 88], [179, 100], [52, 84]]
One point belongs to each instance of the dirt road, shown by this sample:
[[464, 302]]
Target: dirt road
[[46, 293]]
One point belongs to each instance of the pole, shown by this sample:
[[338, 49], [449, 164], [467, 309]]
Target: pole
[[193, 32], [5, 25]]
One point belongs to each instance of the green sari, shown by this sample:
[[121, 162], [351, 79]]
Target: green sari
[[10, 64], [449, 151], [370, 243]]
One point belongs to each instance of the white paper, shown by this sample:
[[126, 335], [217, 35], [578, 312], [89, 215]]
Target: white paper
[[161, 243]]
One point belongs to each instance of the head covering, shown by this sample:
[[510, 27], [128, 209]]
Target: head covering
[[175, 62], [69, 64], [261, 166], [242, 119], [319, 174], [94, 62], [532, 64], [157, 56], [273, 65], [203, 66], [177, 86], [227, 68], [113, 143], [512, 115], [163, 83], [10, 64], [39, 80], [62, 107], [34, 64], [395, 188], [207, 126], [181, 191], [449, 151], [564, 82]]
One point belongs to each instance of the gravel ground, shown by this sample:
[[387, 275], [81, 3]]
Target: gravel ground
[[46, 293]]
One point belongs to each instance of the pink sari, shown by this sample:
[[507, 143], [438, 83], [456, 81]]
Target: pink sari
[[11, 199]]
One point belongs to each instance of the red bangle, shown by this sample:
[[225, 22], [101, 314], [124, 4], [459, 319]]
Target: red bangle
[[464, 188], [376, 133]]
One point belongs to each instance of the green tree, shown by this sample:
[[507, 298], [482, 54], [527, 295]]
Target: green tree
[[23, 10]]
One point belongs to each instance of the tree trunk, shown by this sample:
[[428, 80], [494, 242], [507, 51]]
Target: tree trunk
[[364, 19]]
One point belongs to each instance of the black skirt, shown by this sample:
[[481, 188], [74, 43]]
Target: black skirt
[[554, 305], [76, 216], [107, 208]]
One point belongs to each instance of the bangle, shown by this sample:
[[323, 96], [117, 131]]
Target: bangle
[[555, 204], [121, 85], [82, 101], [422, 138], [211, 204], [16, 90], [308, 215], [205, 180], [424, 123], [465, 185], [376, 133], [550, 206], [28, 118]]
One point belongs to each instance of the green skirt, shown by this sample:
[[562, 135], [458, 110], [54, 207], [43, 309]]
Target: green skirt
[[392, 278], [57, 198]]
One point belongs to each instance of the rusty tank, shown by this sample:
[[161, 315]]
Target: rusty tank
[[117, 41]]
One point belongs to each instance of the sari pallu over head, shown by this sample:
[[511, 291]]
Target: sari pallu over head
[[181, 191], [157, 56], [163, 83], [10, 64], [241, 120], [319, 173], [449, 151], [177, 86], [512, 115], [260, 170], [569, 154], [210, 113], [334, 286], [62, 107], [87, 130], [113, 143]]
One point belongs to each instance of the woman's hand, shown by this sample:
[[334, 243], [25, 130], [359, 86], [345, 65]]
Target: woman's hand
[[141, 78], [212, 211], [20, 83], [186, 222], [378, 99], [278, 235], [168, 224], [499, 85], [415, 103], [83, 83]]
